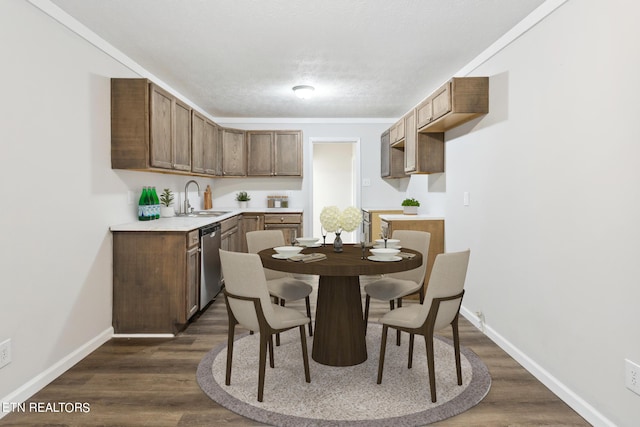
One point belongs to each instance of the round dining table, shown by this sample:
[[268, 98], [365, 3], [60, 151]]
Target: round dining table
[[339, 333]]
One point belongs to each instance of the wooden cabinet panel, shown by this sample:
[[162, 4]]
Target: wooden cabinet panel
[[410, 143], [233, 152], [150, 129], [436, 244], [197, 142], [205, 145], [260, 153], [290, 224], [161, 128], [212, 149], [182, 137], [288, 153], [385, 154], [156, 279], [274, 153], [457, 101], [229, 230], [249, 222]]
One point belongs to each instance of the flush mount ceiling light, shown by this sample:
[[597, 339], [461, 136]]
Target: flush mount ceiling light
[[303, 91]]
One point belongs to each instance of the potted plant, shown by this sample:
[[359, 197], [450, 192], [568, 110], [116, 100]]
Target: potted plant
[[242, 198], [410, 206], [166, 199]]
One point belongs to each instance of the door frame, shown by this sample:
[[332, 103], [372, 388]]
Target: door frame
[[356, 170]]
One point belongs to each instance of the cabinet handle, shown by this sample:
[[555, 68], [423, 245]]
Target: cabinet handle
[[281, 219]]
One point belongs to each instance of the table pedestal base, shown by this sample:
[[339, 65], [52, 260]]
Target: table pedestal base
[[339, 334]]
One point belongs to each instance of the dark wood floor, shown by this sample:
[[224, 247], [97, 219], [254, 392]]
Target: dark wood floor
[[140, 382]]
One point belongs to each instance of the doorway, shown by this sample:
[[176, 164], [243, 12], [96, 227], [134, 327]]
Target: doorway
[[334, 180]]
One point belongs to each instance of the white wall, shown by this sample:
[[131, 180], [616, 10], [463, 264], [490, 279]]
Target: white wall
[[62, 195], [554, 219]]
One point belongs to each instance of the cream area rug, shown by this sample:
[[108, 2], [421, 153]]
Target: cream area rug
[[344, 396]]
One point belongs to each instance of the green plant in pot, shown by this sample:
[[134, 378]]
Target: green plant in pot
[[166, 200], [243, 197], [410, 206]]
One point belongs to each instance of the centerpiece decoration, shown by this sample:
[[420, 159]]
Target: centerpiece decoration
[[334, 221]]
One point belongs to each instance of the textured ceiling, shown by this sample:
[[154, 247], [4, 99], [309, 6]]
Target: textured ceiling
[[240, 58]]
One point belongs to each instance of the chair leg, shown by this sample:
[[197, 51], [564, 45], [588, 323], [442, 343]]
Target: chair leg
[[411, 339], [271, 351], [278, 335], [398, 330], [421, 294], [383, 346], [367, 300], [305, 355], [456, 347], [232, 328], [308, 304], [428, 341], [263, 362]]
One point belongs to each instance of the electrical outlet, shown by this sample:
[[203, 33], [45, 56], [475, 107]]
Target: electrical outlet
[[5, 353], [632, 376]]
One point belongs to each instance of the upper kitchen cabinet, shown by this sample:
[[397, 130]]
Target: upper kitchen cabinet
[[233, 152], [206, 147], [421, 153], [150, 128], [274, 153], [457, 101]]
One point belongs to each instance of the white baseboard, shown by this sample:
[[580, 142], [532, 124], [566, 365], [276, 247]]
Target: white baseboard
[[578, 404], [143, 336], [48, 375]]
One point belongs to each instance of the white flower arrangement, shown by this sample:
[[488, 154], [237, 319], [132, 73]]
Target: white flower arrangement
[[335, 221]]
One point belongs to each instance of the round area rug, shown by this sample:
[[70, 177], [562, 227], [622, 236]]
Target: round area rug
[[344, 396]]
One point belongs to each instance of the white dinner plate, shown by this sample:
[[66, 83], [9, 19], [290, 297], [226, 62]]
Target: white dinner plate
[[383, 259], [315, 245], [280, 256]]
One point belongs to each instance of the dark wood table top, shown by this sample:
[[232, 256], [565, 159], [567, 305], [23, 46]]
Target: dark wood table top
[[346, 263]]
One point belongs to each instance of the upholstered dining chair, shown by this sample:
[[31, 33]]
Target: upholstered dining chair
[[440, 308], [249, 305], [282, 286], [394, 286]]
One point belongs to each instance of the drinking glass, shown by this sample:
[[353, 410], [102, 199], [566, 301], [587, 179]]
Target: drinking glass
[[324, 236]]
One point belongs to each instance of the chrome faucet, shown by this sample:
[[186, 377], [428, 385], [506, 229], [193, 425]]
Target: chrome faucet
[[187, 206]]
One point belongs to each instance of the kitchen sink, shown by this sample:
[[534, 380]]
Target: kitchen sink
[[196, 214]]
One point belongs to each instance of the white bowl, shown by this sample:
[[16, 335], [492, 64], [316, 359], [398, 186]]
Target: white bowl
[[288, 251], [307, 241], [385, 252], [390, 242]]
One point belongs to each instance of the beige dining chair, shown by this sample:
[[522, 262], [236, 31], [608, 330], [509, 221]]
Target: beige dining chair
[[282, 286], [440, 308], [394, 286], [249, 305]]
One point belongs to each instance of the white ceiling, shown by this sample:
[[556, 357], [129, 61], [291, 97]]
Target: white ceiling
[[240, 58]]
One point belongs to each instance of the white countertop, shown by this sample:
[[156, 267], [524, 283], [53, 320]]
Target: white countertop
[[188, 223], [410, 217]]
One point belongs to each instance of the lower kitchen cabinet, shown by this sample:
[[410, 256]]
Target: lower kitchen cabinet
[[290, 224], [156, 280], [249, 222], [436, 244], [230, 234]]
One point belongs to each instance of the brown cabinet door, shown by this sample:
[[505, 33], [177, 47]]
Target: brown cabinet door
[[197, 142], [249, 222], [424, 112], [161, 127], [288, 153], [233, 153], [192, 285], [410, 145], [290, 231], [441, 102], [182, 137], [260, 153], [211, 149], [385, 155]]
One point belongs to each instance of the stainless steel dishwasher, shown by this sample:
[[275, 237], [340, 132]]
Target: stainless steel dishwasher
[[210, 269]]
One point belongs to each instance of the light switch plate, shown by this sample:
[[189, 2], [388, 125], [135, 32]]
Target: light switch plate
[[465, 198]]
